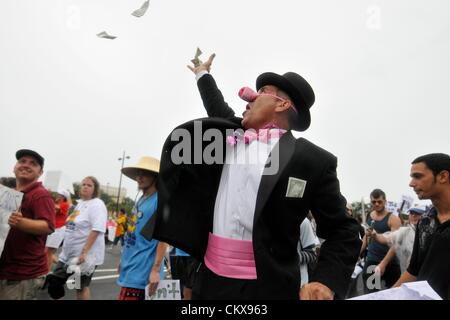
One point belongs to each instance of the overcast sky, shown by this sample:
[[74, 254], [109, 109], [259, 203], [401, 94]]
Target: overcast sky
[[380, 71]]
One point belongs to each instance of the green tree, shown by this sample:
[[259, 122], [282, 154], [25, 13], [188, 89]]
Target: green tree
[[106, 198], [76, 190], [357, 207], [127, 204], [9, 182], [110, 202], [111, 206]]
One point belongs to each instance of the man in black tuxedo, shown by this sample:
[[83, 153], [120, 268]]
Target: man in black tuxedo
[[242, 220]]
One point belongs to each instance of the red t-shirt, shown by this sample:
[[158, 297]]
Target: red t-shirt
[[24, 255], [61, 214]]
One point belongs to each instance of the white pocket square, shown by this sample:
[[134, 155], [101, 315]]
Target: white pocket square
[[296, 188]]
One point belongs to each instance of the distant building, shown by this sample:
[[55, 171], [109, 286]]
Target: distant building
[[112, 192]]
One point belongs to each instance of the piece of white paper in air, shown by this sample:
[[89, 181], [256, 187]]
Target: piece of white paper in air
[[196, 61], [142, 10], [419, 290], [104, 35], [166, 290], [198, 52], [10, 201]]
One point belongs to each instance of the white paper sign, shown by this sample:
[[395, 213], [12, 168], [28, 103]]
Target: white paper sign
[[10, 201], [167, 290], [407, 202], [419, 290], [111, 233], [391, 207]]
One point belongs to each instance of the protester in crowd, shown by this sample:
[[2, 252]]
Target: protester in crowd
[[402, 239], [212, 211], [141, 261], [121, 223], [183, 267], [23, 263], [430, 260], [54, 240], [84, 244], [306, 249], [352, 288], [380, 258]]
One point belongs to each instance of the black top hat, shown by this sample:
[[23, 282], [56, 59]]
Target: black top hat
[[298, 89], [31, 153]]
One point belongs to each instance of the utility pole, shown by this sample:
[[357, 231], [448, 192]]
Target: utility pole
[[120, 180]]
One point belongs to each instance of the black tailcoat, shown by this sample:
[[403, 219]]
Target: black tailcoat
[[187, 194]]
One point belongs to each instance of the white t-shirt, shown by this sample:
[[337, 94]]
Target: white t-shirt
[[90, 215], [402, 240]]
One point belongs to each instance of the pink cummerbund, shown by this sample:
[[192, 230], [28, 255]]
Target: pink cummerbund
[[230, 258]]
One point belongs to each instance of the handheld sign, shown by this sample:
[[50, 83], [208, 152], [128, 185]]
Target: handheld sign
[[10, 201], [167, 290]]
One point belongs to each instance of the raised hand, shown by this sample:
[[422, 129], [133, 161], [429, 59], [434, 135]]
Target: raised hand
[[205, 66]]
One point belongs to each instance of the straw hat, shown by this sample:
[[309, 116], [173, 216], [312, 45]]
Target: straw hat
[[149, 164]]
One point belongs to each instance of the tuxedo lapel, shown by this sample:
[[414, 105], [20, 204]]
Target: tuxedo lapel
[[182, 219], [285, 149]]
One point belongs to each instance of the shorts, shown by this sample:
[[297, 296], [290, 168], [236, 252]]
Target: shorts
[[21, 289], [55, 239], [131, 294], [58, 278], [184, 268]]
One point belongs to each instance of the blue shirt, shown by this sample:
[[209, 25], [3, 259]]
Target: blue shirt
[[138, 253], [181, 253]]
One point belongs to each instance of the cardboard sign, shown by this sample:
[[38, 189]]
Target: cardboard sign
[[10, 201], [406, 203], [167, 290], [391, 207]]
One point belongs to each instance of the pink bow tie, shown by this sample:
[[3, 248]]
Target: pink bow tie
[[264, 135]]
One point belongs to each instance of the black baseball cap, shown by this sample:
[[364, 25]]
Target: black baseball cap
[[31, 153]]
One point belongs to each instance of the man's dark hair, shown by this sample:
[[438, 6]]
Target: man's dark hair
[[436, 162], [122, 210], [292, 117], [378, 193]]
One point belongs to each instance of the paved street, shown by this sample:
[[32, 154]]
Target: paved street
[[103, 285]]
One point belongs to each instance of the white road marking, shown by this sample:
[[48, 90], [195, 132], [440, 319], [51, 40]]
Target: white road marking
[[106, 270], [106, 277], [97, 278]]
